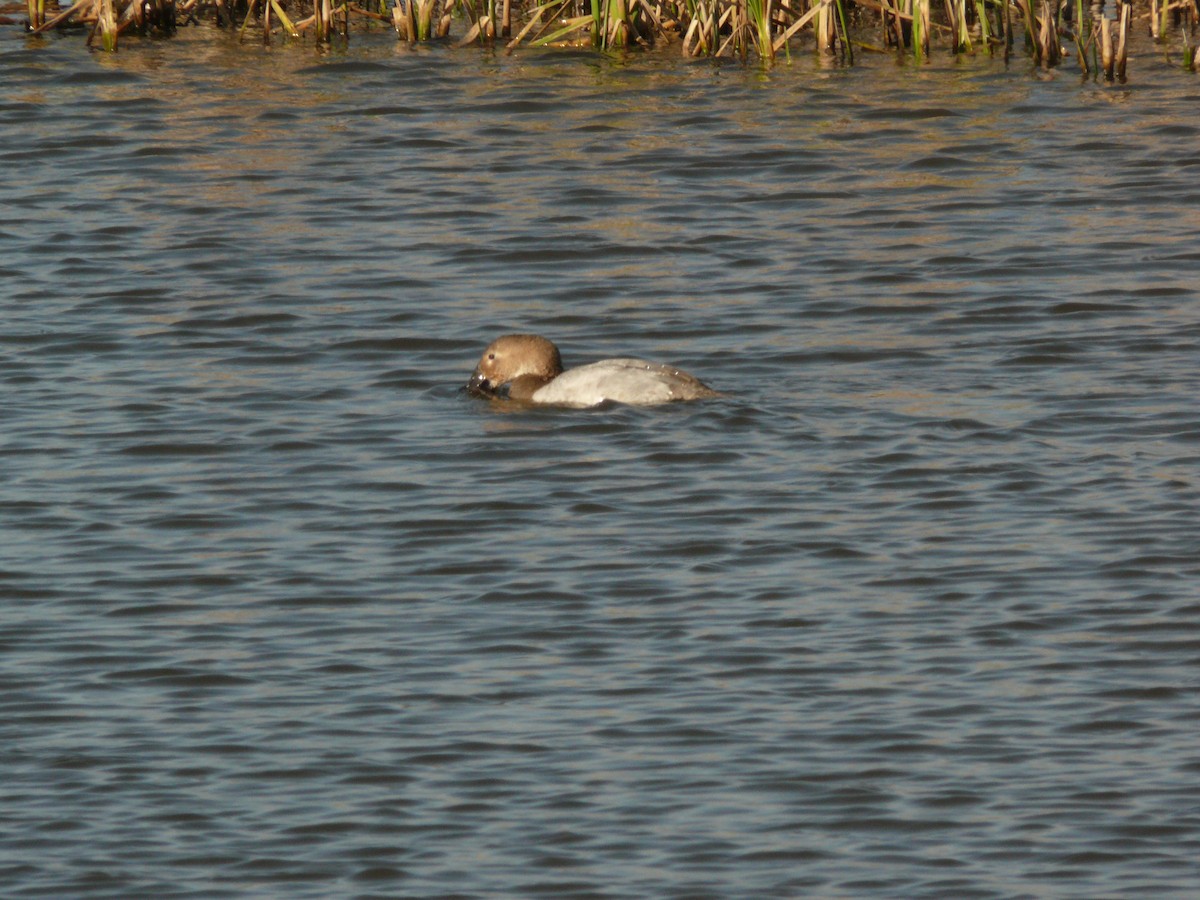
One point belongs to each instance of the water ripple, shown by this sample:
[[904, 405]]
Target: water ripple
[[910, 611]]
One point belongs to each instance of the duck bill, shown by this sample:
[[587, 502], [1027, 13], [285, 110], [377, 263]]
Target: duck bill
[[480, 385]]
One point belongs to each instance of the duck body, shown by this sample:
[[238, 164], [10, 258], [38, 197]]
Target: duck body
[[528, 368]]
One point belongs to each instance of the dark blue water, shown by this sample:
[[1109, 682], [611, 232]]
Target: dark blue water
[[913, 611]]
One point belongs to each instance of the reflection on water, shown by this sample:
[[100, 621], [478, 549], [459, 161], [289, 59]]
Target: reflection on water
[[912, 611]]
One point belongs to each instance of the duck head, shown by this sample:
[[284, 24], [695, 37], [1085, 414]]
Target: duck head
[[516, 364]]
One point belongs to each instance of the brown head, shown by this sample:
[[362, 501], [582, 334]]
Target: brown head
[[522, 362]]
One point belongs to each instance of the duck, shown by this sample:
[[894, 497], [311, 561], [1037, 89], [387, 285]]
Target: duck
[[528, 368]]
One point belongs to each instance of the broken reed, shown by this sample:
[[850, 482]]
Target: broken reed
[[715, 28]]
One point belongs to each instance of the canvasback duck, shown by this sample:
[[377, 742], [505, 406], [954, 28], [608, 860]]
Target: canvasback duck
[[528, 367]]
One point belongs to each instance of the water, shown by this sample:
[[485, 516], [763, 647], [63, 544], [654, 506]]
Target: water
[[913, 611]]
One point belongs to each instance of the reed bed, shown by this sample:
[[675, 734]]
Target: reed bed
[[1095, 35]]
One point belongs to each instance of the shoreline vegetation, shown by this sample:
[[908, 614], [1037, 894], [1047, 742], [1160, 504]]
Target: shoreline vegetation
[[1096, 35]]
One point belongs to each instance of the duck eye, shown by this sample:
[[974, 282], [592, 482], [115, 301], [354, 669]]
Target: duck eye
[[491, 356]]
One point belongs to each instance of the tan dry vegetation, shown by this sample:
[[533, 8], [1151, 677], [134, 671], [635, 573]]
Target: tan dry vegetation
[[1095, 35]]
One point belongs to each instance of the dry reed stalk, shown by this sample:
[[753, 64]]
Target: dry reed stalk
[[723, 22], [950, 11], [475, 33], [533, 23], [701, 32], [324, 20], [106, 23], [146, 15], [1049, 52], [78, 7], [537, 19], [696, 35], [652, 21], [1122, 39], [479, 25], [823, 28], [795, 27], [1008, 37], [737, 27], [1081, 41], [893, 29], [487, 21], [1106, 47], [284, 21], [403, 21], [956, 14], [1163, 23], [570, 26]]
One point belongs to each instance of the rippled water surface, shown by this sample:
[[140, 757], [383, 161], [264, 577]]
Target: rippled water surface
[[913, 610]]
